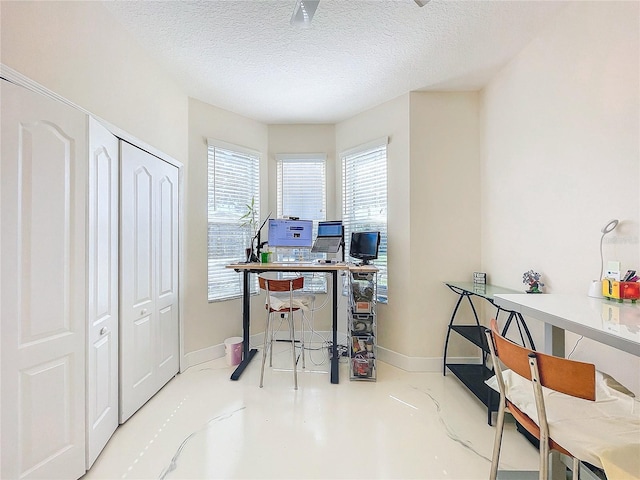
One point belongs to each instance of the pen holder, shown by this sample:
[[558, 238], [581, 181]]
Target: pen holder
[[620, 291]]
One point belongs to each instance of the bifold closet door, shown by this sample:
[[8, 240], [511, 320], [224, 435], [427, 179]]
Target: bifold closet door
[[102, 289], [149, 336], [42, 274]]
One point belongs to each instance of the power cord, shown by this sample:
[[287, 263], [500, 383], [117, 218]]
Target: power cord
[[574, 347]]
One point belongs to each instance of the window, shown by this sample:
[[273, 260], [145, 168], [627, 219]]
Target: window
[[302, 186], [233, 181], [364, 181], [302, 192]]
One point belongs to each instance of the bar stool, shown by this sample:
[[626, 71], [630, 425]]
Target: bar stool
[[282, 305]]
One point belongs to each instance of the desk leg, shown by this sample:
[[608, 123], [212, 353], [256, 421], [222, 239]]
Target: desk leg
[[334, 353], [553, 340], [247, 354], [554, 345]]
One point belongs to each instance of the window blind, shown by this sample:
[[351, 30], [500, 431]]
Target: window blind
[[233, 181], [302, 186], [302, 192], [364, 180]]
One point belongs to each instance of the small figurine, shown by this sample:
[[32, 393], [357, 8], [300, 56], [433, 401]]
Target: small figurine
[[533, 280]]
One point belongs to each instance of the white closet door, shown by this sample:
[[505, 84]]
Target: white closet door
[[149, 338], [42, 256], [102, 289]]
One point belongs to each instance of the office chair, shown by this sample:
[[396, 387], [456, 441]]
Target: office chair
[[281, 305], [569, 377]]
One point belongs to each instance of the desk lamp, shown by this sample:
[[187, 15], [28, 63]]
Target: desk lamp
[[595, 290]]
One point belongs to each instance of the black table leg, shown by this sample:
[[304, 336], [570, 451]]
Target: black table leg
[[247, 354], [334, 353]]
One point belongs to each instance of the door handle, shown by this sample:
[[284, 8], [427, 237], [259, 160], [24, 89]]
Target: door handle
[[103, 330], [143, 312]]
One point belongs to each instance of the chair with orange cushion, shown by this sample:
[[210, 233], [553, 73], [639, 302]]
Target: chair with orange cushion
[[285, 306], [576, 379]]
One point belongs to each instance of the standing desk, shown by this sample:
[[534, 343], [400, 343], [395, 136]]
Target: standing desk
[[300, 267]]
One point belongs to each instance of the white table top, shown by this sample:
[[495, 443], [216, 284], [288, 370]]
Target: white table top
[[606, 321]]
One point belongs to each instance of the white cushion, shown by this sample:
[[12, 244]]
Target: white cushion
[[605, 433], [280, 301]]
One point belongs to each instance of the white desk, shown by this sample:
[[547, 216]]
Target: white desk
[[605, 321]]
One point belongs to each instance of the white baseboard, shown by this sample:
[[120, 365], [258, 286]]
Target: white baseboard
[[419, 364], [409, 364]]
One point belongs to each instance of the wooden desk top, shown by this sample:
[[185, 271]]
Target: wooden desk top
[[303, 267]]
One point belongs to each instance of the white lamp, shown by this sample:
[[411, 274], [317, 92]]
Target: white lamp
[[595, 289]]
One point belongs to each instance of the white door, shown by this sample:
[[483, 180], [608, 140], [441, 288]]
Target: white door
[[42, 256], [149, 341], [102, 289]]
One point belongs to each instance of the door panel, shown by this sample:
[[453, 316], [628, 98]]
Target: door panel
[[142, 237], [167, 352], [142, 339], [149, 338], [102, 290], [168, 355], [42, 247]]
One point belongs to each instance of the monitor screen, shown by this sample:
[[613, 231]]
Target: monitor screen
[[364, 246], [330, 229], [290, 233]]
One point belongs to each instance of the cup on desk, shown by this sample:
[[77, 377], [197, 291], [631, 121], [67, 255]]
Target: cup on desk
[[265, 257]]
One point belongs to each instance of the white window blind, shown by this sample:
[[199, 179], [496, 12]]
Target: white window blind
[[302, 193], [364, 180], [233, 181], [302, 186]]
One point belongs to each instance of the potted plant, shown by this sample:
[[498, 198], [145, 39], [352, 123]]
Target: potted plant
[[250, 219], [533, 280]]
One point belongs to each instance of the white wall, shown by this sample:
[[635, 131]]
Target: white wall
[[389, 119], [445, 215], [434, 215], [561, 157], [77, 50], [210, 323]]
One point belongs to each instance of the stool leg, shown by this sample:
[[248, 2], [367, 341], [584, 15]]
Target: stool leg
[[292, 333], [273, 335], [302, 336], [264, 349], [576, 469]]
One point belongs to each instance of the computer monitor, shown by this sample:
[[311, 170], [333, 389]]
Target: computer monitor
[[330, 237], [331, 228], [364, 246], [290, 233]]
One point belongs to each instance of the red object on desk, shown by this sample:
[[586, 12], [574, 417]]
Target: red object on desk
[[621, 290]]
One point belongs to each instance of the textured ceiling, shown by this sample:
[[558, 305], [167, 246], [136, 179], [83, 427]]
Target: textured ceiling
[[244, 56]]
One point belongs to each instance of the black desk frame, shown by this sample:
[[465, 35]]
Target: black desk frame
[[247, 353]]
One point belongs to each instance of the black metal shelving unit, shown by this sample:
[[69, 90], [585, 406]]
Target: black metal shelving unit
[[473, 375], [362, 323]]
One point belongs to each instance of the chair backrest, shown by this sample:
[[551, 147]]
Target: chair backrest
[[280, 284], [570, 377]]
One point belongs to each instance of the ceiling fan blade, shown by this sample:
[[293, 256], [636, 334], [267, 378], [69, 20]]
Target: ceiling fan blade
[[303, 12]]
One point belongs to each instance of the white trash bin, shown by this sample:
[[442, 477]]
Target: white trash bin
[[233, 351]]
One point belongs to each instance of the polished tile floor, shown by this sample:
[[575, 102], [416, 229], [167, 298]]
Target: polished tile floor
[[405, 425]]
